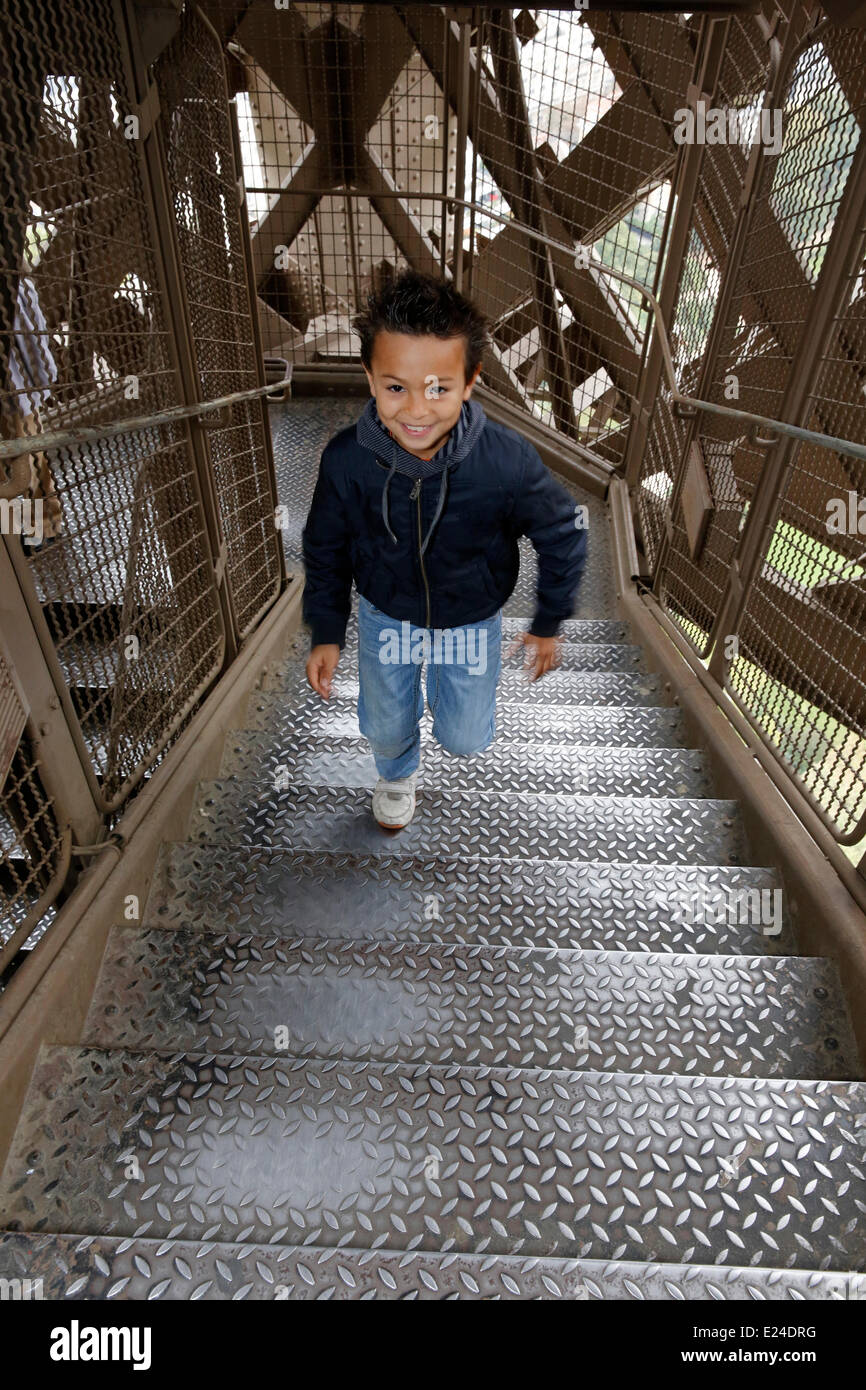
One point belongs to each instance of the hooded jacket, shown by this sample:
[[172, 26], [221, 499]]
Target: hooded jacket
[[434, 541]]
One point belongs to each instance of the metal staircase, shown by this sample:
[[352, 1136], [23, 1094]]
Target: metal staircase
[[504, 1053]]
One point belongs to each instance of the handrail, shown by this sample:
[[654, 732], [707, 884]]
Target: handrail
[[131, 424], [14, 448]]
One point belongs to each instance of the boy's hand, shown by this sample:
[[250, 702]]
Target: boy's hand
[[542, 653], [321, 665]]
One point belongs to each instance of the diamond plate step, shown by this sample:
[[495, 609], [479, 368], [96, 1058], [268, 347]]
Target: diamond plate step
[[573, 656], [576, 1165], [482, 902], [472, 1006], [557, 687], [106, 1267], [637, 726], [589, 770], [642, 829], [603, 630]]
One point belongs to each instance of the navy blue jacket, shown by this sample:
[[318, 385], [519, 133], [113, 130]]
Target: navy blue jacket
[[499, 491]]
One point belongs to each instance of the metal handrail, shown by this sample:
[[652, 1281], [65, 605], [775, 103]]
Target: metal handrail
[[84, 434]]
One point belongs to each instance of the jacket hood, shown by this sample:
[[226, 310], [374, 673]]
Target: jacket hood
[[372, 434]]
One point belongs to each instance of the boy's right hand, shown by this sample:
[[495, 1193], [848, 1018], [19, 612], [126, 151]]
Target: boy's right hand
[[321, 665]]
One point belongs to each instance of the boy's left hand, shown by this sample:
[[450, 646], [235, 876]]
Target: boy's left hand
[[542, 653]]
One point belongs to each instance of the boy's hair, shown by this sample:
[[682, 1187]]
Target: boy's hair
[[416, 303]]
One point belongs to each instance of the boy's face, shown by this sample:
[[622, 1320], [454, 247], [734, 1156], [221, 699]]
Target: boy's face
[[419, 385]]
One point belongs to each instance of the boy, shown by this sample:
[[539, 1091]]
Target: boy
[[421, 504]]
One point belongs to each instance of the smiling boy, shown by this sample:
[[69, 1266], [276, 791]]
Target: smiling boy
[[421, 503]]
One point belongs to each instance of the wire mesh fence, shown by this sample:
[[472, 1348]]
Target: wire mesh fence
[[203, 185], [359, 124], [791, 648], [691, 586], [109, 536], [34, 849]]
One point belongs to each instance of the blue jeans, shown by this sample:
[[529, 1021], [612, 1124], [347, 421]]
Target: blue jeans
[[463, 665]]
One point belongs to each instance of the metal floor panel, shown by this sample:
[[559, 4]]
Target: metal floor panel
[[499, 824], [279, 1151], [115, 1269], [637, 726], [557, 687], [486, 902], [504, 767], [475, 1006]]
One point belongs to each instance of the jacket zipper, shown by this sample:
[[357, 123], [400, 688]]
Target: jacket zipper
[[416, 494]]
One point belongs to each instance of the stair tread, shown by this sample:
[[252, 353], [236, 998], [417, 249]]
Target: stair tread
[[148, 1270], [557, 687], [608, 630], [504, 767], [270, 715], [555, 825], [572, 656], [287, 1151], [480, 1006], [490, 901]]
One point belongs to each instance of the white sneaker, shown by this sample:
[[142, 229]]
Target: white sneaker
[[394, 802]]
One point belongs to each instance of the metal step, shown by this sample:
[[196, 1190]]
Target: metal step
[[501, 824], [117, 1268], [576, 1165], [472, 1006], [573, 656], [604, 630], [680, 908], [505, 767], [556, 688], [268, 712]]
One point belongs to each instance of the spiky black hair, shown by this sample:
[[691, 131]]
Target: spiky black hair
[[417, 303]]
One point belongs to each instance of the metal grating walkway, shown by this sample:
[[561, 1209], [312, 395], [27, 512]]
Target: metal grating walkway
[[516, 1051]]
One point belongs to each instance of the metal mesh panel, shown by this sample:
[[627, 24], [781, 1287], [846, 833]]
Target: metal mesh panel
[[81, 334], [127, 591], [796, 663], [330, 98], [115, 545], [358, 123], [34, 852], [768, 312], [692, 587], [205, 198], [564, 124], [800, 672]]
